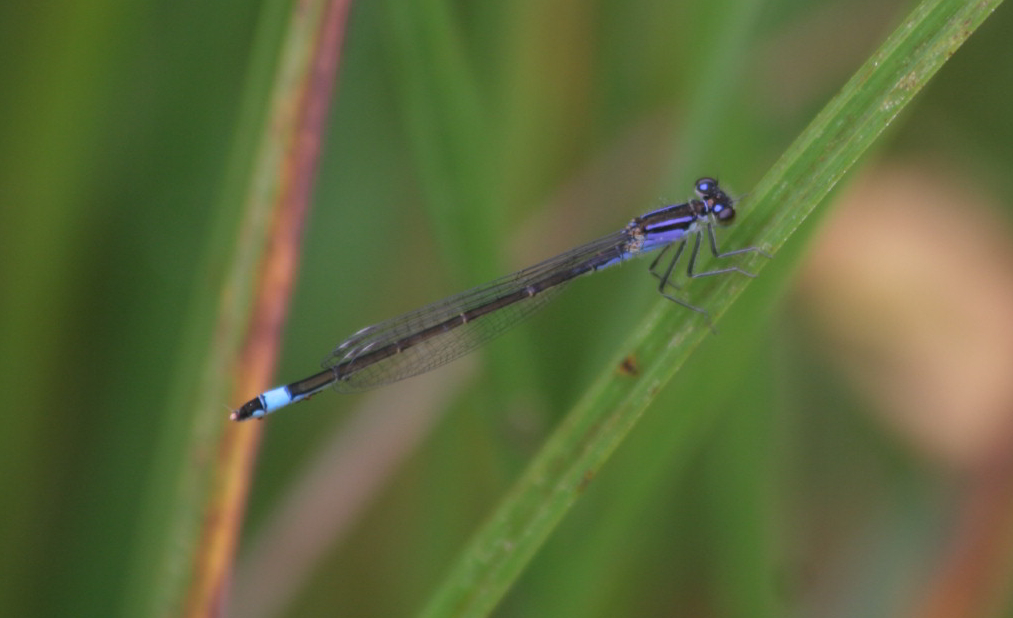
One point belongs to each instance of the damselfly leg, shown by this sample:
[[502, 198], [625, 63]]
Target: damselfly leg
[[666, 279]]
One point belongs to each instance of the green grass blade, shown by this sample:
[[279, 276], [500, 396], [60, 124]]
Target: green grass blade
[[191, 534], [793, 188]]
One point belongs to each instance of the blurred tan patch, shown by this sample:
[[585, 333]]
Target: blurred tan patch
[[911, 284]]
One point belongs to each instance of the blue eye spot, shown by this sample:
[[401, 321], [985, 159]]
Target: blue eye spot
[[706, 187]]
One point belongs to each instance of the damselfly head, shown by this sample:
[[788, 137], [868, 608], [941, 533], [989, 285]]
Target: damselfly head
[[718, 203]]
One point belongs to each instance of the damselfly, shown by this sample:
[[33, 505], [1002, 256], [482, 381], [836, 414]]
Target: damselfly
[[426, 338]]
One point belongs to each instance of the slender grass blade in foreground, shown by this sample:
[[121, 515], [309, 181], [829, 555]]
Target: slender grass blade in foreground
[[796, 184]]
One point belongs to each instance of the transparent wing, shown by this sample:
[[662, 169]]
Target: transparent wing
[[436, 334]]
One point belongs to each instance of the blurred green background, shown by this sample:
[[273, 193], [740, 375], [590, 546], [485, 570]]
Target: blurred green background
[[841, 448]]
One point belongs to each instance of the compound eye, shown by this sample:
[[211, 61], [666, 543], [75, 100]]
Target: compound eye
[[706, 187], [723, 211]]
